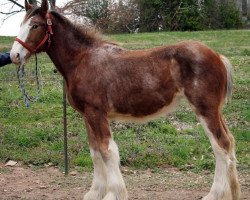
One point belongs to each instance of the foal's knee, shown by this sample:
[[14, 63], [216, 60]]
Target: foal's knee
[[110, 151], [224, 141], [220, 135]]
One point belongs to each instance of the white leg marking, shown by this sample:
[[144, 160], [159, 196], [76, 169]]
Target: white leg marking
[[99, 184], [221, 186], [116, 186]]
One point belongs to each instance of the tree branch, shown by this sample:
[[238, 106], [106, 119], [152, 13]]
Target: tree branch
[[16, 3], [12, 12]]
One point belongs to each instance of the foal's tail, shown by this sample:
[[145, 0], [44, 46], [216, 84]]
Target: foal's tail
[[229, 70]]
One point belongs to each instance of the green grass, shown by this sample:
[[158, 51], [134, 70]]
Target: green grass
[[35, 135]]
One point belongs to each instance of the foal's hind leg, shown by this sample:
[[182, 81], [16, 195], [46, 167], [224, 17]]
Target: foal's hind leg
[[108, 182], [225, 185]]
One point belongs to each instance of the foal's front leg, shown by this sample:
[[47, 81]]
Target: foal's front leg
[[116, 189], [108, 183], [99, 184]]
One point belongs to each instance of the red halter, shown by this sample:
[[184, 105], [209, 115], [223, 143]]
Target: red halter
[[46, 38]]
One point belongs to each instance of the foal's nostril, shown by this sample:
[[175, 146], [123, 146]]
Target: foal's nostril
[[17, 56]]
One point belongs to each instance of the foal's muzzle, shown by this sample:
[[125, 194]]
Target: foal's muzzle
[[18, 55]]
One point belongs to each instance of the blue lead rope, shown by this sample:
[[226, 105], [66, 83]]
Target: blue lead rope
[[21, 80]]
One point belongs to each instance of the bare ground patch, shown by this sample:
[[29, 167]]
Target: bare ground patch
[[22, 182]]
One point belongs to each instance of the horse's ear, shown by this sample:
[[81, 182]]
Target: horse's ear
[[27, 5], [44, 7]]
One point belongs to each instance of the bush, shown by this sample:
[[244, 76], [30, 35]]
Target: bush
[[221, 14], [191, 18], [230, 16]]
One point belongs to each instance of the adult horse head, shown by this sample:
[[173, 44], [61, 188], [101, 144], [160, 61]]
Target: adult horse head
[[106, 82]]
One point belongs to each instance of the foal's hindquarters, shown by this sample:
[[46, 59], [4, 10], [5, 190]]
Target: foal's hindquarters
[[205, 81]]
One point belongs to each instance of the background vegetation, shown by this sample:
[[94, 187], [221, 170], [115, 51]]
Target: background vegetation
[[35, 135], [158, 15], [126, 16]]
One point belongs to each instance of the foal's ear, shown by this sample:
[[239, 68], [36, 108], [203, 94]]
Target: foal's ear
[[44, 7], [27, 5]]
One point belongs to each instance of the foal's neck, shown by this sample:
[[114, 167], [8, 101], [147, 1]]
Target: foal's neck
[[68, 45]]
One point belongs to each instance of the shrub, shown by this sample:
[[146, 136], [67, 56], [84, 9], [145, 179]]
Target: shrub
[[221, 14]]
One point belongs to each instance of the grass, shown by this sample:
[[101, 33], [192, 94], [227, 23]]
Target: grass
[[35, 135]]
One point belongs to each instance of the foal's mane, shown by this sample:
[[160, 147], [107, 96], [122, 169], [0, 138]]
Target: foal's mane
[[83, 34]]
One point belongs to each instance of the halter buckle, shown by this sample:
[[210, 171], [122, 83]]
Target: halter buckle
[[49, 22]]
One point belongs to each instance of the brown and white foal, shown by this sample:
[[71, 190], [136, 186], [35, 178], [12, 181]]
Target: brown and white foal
[[106, 82]]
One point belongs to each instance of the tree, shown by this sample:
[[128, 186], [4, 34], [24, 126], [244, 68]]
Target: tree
[[125, 17], [191, 16], [221, 14], [15, 6], [149, 13], [110, 16], [96, 10], [188, 14], [119, 16]]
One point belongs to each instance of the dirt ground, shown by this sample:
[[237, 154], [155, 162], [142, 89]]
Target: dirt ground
[[22, 182]]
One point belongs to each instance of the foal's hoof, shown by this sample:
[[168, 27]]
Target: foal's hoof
[[110, 196], [223, 196], [94, 195], [121, 196]]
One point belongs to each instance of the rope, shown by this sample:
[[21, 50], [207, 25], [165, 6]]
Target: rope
[[20, 76]]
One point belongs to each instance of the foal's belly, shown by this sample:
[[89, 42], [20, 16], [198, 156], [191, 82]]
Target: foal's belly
[[146, 109]]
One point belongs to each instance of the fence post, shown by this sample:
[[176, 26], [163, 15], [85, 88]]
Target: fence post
[[65, 129]]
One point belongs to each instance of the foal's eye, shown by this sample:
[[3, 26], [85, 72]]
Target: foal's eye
[[35, 26]]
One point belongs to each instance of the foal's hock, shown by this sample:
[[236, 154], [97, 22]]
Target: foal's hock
[[106, 82]]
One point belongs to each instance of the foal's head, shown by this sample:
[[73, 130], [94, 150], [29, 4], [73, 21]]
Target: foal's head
[[33, 31]]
